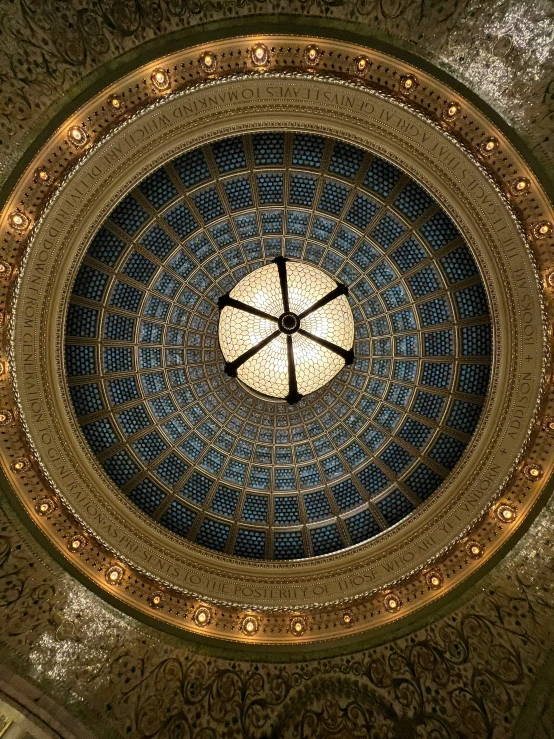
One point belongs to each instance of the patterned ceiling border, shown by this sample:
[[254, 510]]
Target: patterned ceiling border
[[524, 193]]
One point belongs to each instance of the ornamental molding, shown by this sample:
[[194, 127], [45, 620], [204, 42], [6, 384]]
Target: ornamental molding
[[161, 574]]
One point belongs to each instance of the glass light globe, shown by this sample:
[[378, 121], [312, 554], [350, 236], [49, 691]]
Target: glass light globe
[[286, 329]]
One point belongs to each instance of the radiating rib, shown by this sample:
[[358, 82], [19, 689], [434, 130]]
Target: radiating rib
[[232, 367], [339, 290], [346, 354], [293, 396], [227, 301], [281, 263]]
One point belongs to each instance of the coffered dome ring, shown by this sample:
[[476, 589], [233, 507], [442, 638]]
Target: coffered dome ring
[[113, 165]]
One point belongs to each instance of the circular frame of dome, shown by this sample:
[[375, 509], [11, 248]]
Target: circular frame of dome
[[87, 187]]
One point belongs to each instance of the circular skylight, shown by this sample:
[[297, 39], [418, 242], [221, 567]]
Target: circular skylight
[[286, 329], [147, 346]]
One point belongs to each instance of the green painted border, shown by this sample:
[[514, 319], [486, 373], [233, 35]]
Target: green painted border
[[333, 29]]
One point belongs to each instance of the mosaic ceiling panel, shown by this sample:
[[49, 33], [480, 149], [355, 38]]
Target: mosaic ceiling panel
[[191, 447]]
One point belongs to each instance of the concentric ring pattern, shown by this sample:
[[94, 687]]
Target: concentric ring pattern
[[191, 447]]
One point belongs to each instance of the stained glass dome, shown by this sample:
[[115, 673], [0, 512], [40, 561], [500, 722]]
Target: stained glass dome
[[193, 448]]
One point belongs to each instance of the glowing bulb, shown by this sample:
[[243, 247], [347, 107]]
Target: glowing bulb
[[42, 175], [160, 79], [542, 230], [202, 617], [44, 507], [18, 220], [2, 268], [475, 550], [346, 618], [490, 145], [19, 465], [76, 544], [520, 186], [115, 102], [2, 417], [156, 600], [551, 426], [392, 604], [259, 55], [249, 626], [362, 64]]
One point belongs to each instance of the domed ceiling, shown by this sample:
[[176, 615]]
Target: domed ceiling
[[198, 452]]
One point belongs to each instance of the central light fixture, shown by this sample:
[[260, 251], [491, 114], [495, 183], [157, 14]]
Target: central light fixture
[[286, 329]]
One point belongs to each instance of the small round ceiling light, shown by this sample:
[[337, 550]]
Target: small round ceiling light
[[298, 625], [5, 418], [543, 230], [408, 82], [42, 175], [505, 513], [249, 625], [115, 102], [434, 580], [202, 616], [160, 80], [76, 543], [286, 330], [533, 472], [474, 549], [45, 506], [361, 65], [451, 111], [157, 600], [114, 575], [392, 602], [18, 220], [77, 136], [347, 618], [312, 55], [520, 186], [208, 61], [259, 55], [489, 146]]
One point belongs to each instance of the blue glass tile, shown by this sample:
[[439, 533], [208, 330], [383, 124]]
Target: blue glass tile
[[171, 469], [133, 420], [149, 447], [387, 417], [255, 509], [346, 495], [396, 458], [178, 518], [382, 176], [235, 472], [464, 416], [286, 510], [250, 544], [239, 193], [373, 479], [321, 229], [437, 374], [100, 435], [297, 222], [399, 394], [301, 189], [191, 167], [428, 405], [365, 255], [381, 347], [270, 187], [408, 254], [435, 311], [268, 148], [439, 230], [404, 320], [406, 346], [317, 506], [213, 534], [225, 501], [474, 378], [118, 359], [439, 343], [181, 220], [309, 476], [156, 308], [362, 526], [194, 446], [129, 215], [333, 197], [81, 321], [415, 433], [153, 383], [284, 479], [272, 222], [424, 282], [146, 496], [90, 283], [476, 340], [167, 285], [119, 328], [472, 301], [105, 247], [139, 268], [459, 264], [200, 246], [175, 428], [86, 398], [120, 468], [158, 242], [288, 545], [332, 466], [260, 478], [447, 451], [208, 203], [387, 231], [307, 150], [80, 360], [382, 274], [122, 390], [229, 154], [158, 188], [345, 240], [333, 262], [126, 297], [326, 539], [395, 507], [346, 160], [405, 370], [413, 201], [423, 481]]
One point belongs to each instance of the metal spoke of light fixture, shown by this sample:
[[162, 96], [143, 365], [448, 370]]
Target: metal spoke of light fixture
[[288, 321]]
